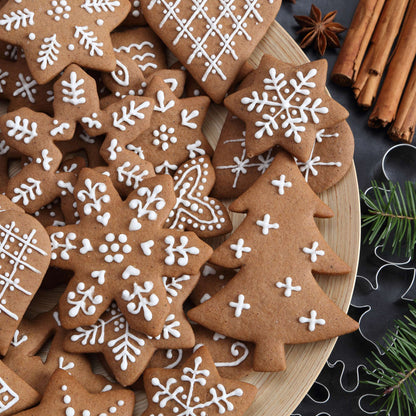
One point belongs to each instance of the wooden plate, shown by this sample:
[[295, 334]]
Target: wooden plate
[[280, 393]]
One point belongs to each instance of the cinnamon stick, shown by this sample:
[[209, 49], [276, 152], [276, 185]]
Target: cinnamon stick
[[403, 128], [400, 66], [369, 77], [355, 45]]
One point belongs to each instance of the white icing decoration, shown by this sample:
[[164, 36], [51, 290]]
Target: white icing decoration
[[165, 167], [288, 287], [161, 106], [133, 177], [99, 6], [153, 204], [205, 297], [186, 118], [16, 251], [147, 247], [72, 91], [8, 396], [208, 271], [174, 286], [90, 194], [223, 29], [143, 303], [239, 248], [181, 250], [16, 341], [104, 219], [60, 8], [88, 40], [281, 184], [99, 275], [240, 305], [195, 149], [129, 114], [117, 248], [19, 129], [26, 87], [66, 186], [81, 304], [86, 246], [136, 149], [164, 136], [60, 129], [169, 329], [66, 246], [27, 191], [288, 105], [44, 160], [130, 271], [265, 225], [169, 356], [173, 392], [63, 366], [3, 147], [314, 253], [243, 163], [312, 321], [121, 75], [202, 212], [49, 51], [310, 165], [113, 149], [17, 19]]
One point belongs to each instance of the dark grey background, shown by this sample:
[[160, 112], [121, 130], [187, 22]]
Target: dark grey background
[[385, 284]]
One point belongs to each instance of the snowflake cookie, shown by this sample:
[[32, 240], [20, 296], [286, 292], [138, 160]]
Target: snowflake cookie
[[34, 135], [194, 209], [31, 337], [274, 299], [56, 33], [233, 359], [175, 134], [119, 250], [128, 352], [15, 393], [285, 105], [65, 396], [196, 389], [212, 40], [24, 259]]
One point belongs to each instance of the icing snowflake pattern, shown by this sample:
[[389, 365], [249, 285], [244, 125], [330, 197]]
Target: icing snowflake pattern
[[182, 394]]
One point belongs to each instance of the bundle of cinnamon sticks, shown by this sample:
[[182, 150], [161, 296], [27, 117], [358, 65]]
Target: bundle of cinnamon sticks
[[381, 42]]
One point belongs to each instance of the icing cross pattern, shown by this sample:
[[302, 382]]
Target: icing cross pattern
[[16, 249], [314, 253], [240, 305], [312, 321], [281, 184], [288, 287]]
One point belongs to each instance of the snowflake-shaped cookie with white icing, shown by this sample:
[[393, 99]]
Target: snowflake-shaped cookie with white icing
[[285, 105], [56, 33], [196, 389], [119, 250]]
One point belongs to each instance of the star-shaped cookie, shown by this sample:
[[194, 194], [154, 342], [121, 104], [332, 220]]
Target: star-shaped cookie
[[54, 34]]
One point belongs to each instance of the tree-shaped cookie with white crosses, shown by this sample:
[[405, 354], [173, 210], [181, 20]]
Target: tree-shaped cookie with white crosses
[[274, 299], [119, 250], [175, 134], [285, 105], [24, 260], [34, 134], [54, 34], [196, 389], [127, 352], [65, 396], [31, 338]]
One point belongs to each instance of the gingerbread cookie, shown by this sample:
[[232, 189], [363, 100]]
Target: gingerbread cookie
[[175, 134], [31, 337], [214, 42], [196, 388], [194, 209], [285, 105], [139, 53], [233, 359], [235, 171], [34, 134], [277, 247], [18, 86], [15, 393], [118, 250], [135, 17], [24, 259], [65, 396], [58, 33], [128, 352]]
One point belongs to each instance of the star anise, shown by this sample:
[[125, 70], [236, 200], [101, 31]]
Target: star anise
[[322, 32]]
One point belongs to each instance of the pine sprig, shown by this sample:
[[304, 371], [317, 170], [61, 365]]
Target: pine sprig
[[393, 375], [391, 216]]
